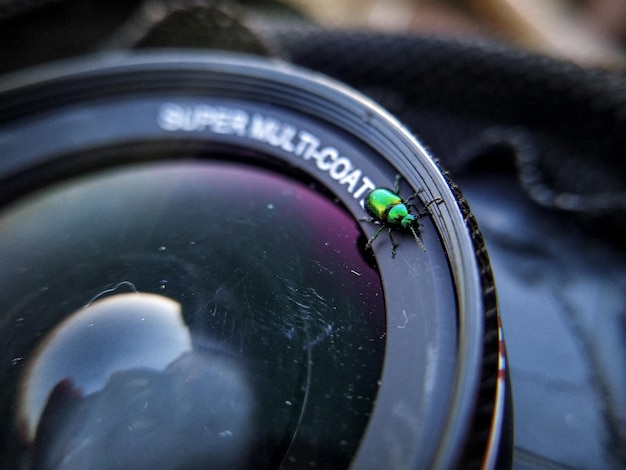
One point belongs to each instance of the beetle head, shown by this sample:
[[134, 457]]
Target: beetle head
[[408, 221]]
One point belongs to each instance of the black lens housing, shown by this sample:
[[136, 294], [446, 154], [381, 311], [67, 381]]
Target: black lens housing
[[442, 398]]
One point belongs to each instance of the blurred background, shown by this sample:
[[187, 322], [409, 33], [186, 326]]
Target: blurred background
[[591, 33], [588, 32]]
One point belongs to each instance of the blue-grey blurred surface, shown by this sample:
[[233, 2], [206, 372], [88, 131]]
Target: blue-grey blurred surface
[[562, 300]]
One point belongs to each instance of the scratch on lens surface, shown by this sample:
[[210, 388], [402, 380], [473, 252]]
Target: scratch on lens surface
[[321, 267], [112, 289], [246, 221], [245, 296], [328, 330], [239, 282], [406, 320], [251, 270], [311, 307]]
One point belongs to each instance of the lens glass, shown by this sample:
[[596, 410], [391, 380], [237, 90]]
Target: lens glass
[[182, 314]]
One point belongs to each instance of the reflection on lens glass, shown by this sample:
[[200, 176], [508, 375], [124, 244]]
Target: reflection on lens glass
[[179, 315]]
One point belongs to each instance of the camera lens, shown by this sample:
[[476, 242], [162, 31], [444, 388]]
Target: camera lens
[[192, 275], [263, 272]]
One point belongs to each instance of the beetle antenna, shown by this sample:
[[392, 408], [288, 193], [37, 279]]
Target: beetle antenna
[[417, 239]]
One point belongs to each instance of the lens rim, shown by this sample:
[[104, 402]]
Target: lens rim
[[276, 84]]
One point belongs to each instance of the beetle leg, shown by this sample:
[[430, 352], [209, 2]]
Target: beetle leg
[[368, 245], [426, 209], [394, 245], [415, 194]]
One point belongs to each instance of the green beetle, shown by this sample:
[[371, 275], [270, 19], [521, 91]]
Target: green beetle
[[389, 210]]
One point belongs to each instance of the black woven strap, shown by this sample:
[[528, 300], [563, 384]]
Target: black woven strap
[[563, 125]]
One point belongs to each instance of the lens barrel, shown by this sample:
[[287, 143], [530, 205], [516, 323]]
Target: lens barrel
[[217, 206]]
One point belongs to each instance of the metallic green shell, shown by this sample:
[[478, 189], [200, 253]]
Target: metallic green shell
[[386, 206]]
